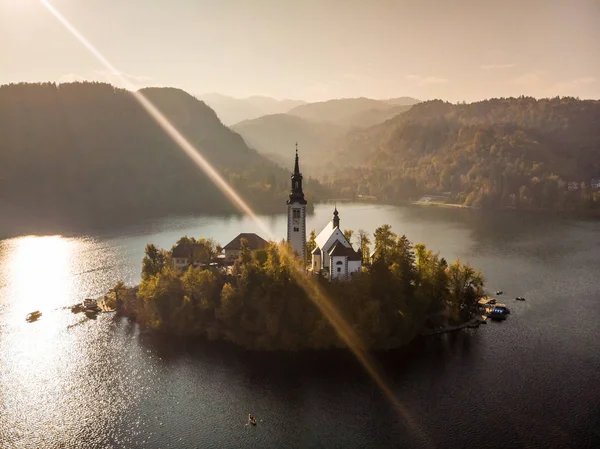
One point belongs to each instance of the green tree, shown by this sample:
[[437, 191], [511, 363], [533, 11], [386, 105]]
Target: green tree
[[363, 242], [154, 261], [385, 241], [245, 253], [311, 244], [118, 290], [348, 234]]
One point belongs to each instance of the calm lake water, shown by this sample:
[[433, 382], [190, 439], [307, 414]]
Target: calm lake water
[[531, 381]]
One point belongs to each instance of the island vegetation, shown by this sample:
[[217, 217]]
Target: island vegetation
[[260, 303]]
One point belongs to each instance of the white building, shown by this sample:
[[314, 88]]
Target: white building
[[334, 255], [296, 231]]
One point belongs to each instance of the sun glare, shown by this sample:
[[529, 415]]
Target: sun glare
[[36, 283]]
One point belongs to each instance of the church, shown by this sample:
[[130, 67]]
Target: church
[[333, 255]]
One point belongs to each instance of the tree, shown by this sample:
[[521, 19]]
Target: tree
[[384, 241], [464, 283], [348, 234], [154, 261], [363, 242], [311, 244], [118, 290], [245, 253]]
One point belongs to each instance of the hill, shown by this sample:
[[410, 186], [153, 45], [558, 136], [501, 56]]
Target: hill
[[509, 152], [233, 110], [402, 101], [271, 135], [361, 112], [87, 154]]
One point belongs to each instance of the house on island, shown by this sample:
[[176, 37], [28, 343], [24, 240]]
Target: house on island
[[186, 254], [255, 242], [333, 254], [595, 184]]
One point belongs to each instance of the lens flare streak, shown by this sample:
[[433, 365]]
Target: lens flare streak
[[313, 290]]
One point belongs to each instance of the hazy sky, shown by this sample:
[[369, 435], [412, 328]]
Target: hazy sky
[[314, 50]]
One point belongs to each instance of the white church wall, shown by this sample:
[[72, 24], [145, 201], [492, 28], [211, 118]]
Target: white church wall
[[316, 263], [336, 236], [338, 267], [354, 266]]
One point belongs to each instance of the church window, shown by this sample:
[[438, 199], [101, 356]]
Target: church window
[[296, 214], [296, 229], [339, 270], [339, 262]]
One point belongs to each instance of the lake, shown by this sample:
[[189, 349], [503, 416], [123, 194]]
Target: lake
[[530, 381]]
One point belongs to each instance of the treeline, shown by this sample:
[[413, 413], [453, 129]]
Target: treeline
[[518, 153], [261, 303], [88, 153]]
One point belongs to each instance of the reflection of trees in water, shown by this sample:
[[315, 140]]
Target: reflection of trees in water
[[293, 369]]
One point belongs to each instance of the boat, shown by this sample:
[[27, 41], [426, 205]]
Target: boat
[[497, 314], [499, 292], [33, 316], [90, 303], [520, 298], [492, 301], [252, 420], [502, 307]]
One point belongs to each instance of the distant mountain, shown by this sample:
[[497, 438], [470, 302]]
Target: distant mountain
[[233, 110], [402, 101], [510, 152], [271, 135], [375, 116], [361, 112], [274, 136], [87, 154]]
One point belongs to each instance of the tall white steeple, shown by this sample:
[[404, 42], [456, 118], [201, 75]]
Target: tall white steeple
[[296, 232]]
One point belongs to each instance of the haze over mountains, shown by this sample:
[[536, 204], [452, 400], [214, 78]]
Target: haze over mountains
[[233, 110], [316, 126]]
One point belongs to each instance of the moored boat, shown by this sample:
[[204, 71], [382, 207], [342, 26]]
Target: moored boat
[[497, 314], [33, 316], [251, 419], [520, 298]]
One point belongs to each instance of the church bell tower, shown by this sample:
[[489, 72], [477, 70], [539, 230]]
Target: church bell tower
[[296, 232]]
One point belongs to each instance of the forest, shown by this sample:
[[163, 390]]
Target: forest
[[261, 303], [88, 154], [522, 153]]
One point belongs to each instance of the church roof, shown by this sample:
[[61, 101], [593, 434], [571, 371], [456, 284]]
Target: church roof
[[316, 251], [325, 234], [254, 242], [338, 249]]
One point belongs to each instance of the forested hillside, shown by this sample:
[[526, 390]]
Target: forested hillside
[[509, 152], [88, 154]]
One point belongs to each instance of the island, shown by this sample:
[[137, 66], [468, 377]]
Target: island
[[259, 300]]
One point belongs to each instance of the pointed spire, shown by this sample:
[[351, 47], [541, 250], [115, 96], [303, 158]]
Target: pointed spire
[[296, 165], [296, 194], [336, 218]]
